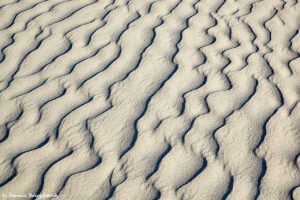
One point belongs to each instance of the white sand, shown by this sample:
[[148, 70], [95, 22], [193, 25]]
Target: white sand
[[150, 99]]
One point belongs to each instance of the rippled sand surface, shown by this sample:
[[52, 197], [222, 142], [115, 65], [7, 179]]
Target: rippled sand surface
[[150, 99]]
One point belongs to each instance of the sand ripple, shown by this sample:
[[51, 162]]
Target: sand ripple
[[158, 99]]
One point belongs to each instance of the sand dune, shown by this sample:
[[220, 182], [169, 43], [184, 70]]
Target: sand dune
[[157, 99]]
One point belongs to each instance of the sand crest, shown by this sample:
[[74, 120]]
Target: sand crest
[[150, 99]]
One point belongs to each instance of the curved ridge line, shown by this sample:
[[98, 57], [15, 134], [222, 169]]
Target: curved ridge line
[[73, 12], [159, 160], [39, 43], [112, 186], [30, 90], [135, 134], [139, 60], [196, 174], [14, 173], [229, 188], [7, 132], [183, 104], [56, 57], [291, 192], [97, 163], [58, 126], [137, 17], [260, 178], [9, 4], [73, 66], [264, 133], [63, 92], [102, 70], [17, 14], [40, 188]]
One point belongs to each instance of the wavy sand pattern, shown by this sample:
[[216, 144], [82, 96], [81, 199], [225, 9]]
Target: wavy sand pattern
[[156, 99]]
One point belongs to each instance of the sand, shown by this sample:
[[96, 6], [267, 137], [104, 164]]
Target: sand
[[150, 99]]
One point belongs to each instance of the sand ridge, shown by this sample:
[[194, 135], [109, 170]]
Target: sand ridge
[[158, 99]]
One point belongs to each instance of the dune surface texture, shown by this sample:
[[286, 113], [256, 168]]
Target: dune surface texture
[[150, 99]]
